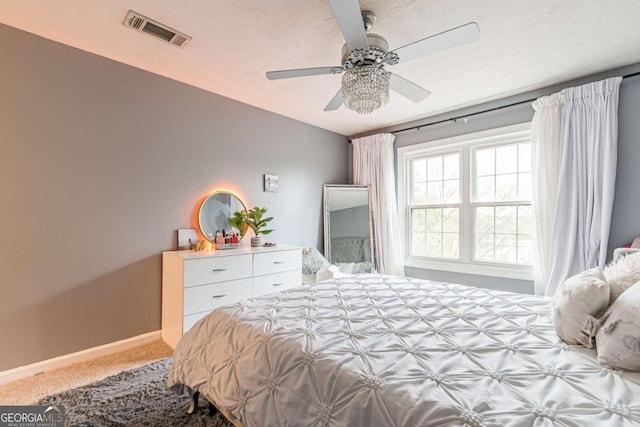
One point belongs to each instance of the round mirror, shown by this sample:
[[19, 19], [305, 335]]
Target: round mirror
[[215, 212]]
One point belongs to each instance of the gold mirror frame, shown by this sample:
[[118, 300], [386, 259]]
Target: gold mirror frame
[[216, 209]]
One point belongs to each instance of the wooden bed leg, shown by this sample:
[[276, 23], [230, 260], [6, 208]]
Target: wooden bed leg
[[193, 406], [212, 409]]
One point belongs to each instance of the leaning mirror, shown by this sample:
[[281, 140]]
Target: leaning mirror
[[215, 211], [348, 228]]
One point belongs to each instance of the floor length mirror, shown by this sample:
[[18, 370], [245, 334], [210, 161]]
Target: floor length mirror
[[348, 228]]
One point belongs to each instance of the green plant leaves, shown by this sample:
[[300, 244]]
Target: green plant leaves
[[250, 219]]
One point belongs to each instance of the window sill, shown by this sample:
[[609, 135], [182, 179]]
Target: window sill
[[491, 270]]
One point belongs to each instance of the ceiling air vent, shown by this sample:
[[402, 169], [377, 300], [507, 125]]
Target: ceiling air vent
[[142, 24]]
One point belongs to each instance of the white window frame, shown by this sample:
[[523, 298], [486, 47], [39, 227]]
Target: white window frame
[[465, 264]]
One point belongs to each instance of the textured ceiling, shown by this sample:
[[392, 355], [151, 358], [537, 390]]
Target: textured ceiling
[[524, 44]]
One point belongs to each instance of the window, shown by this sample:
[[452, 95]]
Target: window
[[501, 203], [435, 207], [465, 203]]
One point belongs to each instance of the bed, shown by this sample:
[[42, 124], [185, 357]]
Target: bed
[[374, 350]]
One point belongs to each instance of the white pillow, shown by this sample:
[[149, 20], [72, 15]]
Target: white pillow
[[618, 340], [622, 273], [312, 261], [578, 302]]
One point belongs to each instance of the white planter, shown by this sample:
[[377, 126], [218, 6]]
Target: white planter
[[256, 242]]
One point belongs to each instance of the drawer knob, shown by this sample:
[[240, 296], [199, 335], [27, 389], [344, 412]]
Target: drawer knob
[[278, 262], [278, 284], [219, 296], [218, 270]]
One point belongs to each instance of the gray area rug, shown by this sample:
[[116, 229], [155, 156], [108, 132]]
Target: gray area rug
[[137, 397]]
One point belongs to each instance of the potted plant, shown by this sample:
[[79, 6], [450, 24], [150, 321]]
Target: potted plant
[[253, 219]]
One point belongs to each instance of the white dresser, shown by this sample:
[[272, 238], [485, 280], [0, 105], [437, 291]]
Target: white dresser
[[194, 283]]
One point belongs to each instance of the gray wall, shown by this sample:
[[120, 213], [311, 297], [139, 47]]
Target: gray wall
[[352, 222], [624, 225], [101, 163]]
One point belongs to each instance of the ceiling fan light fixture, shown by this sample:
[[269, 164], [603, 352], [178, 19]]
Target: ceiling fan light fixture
[[365, 89]]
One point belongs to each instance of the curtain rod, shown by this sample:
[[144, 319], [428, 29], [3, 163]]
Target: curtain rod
[[466, 116]]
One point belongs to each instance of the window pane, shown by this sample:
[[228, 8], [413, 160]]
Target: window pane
[[507, 159], [506, 219], [434, 244], [485, 162], [434, 168], [451, 166], [507, 187], [450, 245], [525, 250], [485, 189], [500, 176], [419, 168], [524, 186], [484, 219], [434, 192], [484, 247], [524, 157], [419, 244], [451, 191], [418, 220], [525, 220], [450, 220], [420, 193], [434, 219], [506, 250]]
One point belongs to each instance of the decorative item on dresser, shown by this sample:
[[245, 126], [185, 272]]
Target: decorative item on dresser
[[215, 211], [194, 283], [252, 219]]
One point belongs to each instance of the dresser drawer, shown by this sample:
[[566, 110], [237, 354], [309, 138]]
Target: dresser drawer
[[276, 282], [218, 269], [276, 262], [208, 297], [189, 321]]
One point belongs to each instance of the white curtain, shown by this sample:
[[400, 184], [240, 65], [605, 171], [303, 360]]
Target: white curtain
[[545, 160], [373, 165], [586, 180]]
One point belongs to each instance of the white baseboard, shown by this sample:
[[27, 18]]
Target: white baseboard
[[79, 356]]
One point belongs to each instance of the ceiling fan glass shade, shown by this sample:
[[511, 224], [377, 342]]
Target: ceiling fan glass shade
[[365, 89]]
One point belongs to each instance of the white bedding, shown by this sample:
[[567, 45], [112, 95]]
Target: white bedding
[[375, 350]]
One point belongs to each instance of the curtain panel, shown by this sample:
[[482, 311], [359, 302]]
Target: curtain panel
[[586, 176], [545, 160], [373, 165]]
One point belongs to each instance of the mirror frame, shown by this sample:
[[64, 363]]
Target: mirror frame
[[327, 225], [204, 201]]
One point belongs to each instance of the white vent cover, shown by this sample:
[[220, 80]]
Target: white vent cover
[[142, 24]]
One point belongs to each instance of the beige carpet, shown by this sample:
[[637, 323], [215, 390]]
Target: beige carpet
[[30, 390]]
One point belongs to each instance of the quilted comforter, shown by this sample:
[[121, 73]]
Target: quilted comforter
[[374, 350]]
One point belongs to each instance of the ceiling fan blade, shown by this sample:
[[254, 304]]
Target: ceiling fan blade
[[349, 19], [335, 102], [407, 89], [300, 72], [464, 34]]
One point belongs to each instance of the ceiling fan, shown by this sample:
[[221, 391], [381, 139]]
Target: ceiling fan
[[365, 82]]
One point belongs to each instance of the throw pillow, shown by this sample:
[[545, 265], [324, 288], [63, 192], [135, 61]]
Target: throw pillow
[[618, 340], [312, 261], [622, 273], [578, 303]]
